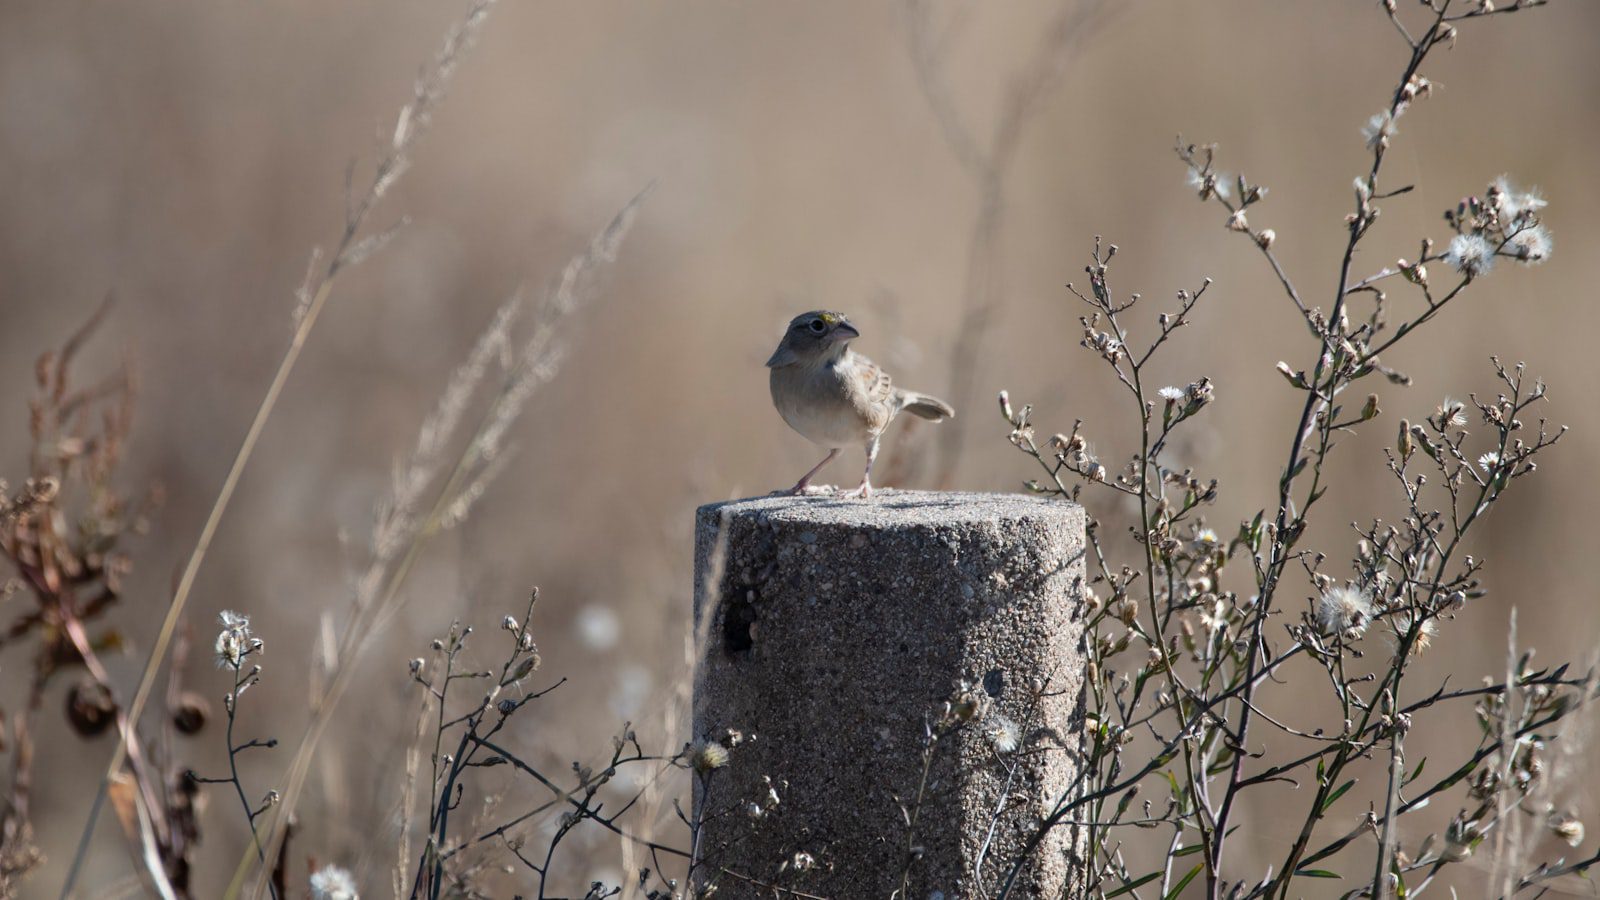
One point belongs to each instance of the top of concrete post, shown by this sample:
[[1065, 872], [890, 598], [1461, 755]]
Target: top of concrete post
[[889, 508]]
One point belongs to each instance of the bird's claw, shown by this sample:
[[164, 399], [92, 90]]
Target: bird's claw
[[809, 490]]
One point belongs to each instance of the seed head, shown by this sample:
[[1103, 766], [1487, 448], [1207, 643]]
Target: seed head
[[1530, 244], [708, 756], [1380, 129], [1513, 206], [333, 883], [1567, 827], [1004, 733], [1427, 628], [1200, 393], [1452, 413], [1470, 254], [1344, 610], [234, 641]]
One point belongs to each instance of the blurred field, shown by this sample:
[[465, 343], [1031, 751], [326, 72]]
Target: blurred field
[[186, 156]]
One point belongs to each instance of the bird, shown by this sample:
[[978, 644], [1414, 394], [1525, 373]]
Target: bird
[[836, 397]]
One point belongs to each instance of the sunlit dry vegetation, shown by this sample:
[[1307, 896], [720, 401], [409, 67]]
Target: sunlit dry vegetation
[[269, 624]]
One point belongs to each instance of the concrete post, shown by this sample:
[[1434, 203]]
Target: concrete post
[[837, 630]]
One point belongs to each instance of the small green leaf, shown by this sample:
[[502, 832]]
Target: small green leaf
[[1339, 792], [1188, 851], [1122, 806], [1316, 873], [1415, 773], [1178, 888], [1134, 885], [1322, 854]]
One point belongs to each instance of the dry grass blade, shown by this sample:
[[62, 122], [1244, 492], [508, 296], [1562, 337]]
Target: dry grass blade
[[405, 522], [313, 297]]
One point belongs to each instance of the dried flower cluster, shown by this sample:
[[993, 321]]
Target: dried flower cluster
[[1504, 223], [1183, 649]]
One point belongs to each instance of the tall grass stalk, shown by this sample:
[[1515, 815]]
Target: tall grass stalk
[[354, 247], [401, 535]]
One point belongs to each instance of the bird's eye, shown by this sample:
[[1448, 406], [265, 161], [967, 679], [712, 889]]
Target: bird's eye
[[817, 327]]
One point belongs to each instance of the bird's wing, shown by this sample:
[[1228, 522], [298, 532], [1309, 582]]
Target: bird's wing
[[873, 393]]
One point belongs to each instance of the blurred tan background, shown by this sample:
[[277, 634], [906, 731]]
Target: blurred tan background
[[187, 156]]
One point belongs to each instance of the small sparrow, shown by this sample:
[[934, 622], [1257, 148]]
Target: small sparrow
[[835, 396]]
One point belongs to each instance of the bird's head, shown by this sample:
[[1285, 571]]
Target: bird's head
[[813, 337]]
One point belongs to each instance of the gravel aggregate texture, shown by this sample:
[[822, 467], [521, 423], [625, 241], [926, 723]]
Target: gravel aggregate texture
[[838, 628]]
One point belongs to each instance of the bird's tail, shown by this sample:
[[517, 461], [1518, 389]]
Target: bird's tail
[[925, 406]]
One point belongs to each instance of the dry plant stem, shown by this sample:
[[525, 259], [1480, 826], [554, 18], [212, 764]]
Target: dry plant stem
[[442, 801], [352, 249], [373, 613], [144, 777], [66, 553], [914, 814], [152, 829], [986, 163], [1148, 467], [676, 707], [408, 800], [1150, 487], [1421, 590], [1502, 875], [191, 569], [697, 825], [608, 822], [1386, 842], [1202, 708], [1149, 451], [1389, 685], [1279, 554], [241, 681], [447, 788]]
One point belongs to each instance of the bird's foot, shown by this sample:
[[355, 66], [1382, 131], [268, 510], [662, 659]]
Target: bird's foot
[[864, 491], [809, 490]]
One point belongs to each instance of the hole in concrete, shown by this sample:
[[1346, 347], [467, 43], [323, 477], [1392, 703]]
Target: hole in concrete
[[738, 619], [994, 683], [741, 591]]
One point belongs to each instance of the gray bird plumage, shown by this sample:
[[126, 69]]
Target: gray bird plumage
[[836, 397]]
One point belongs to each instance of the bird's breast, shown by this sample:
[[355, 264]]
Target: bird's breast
[[817, 402]]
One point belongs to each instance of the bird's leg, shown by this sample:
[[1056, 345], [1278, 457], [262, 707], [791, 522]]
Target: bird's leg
[[805, 480], [865, 490]]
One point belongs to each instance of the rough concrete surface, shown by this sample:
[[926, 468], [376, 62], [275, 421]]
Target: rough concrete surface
[[838, 629]]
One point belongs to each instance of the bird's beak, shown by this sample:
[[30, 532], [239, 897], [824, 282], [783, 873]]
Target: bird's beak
[[844, 331]]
